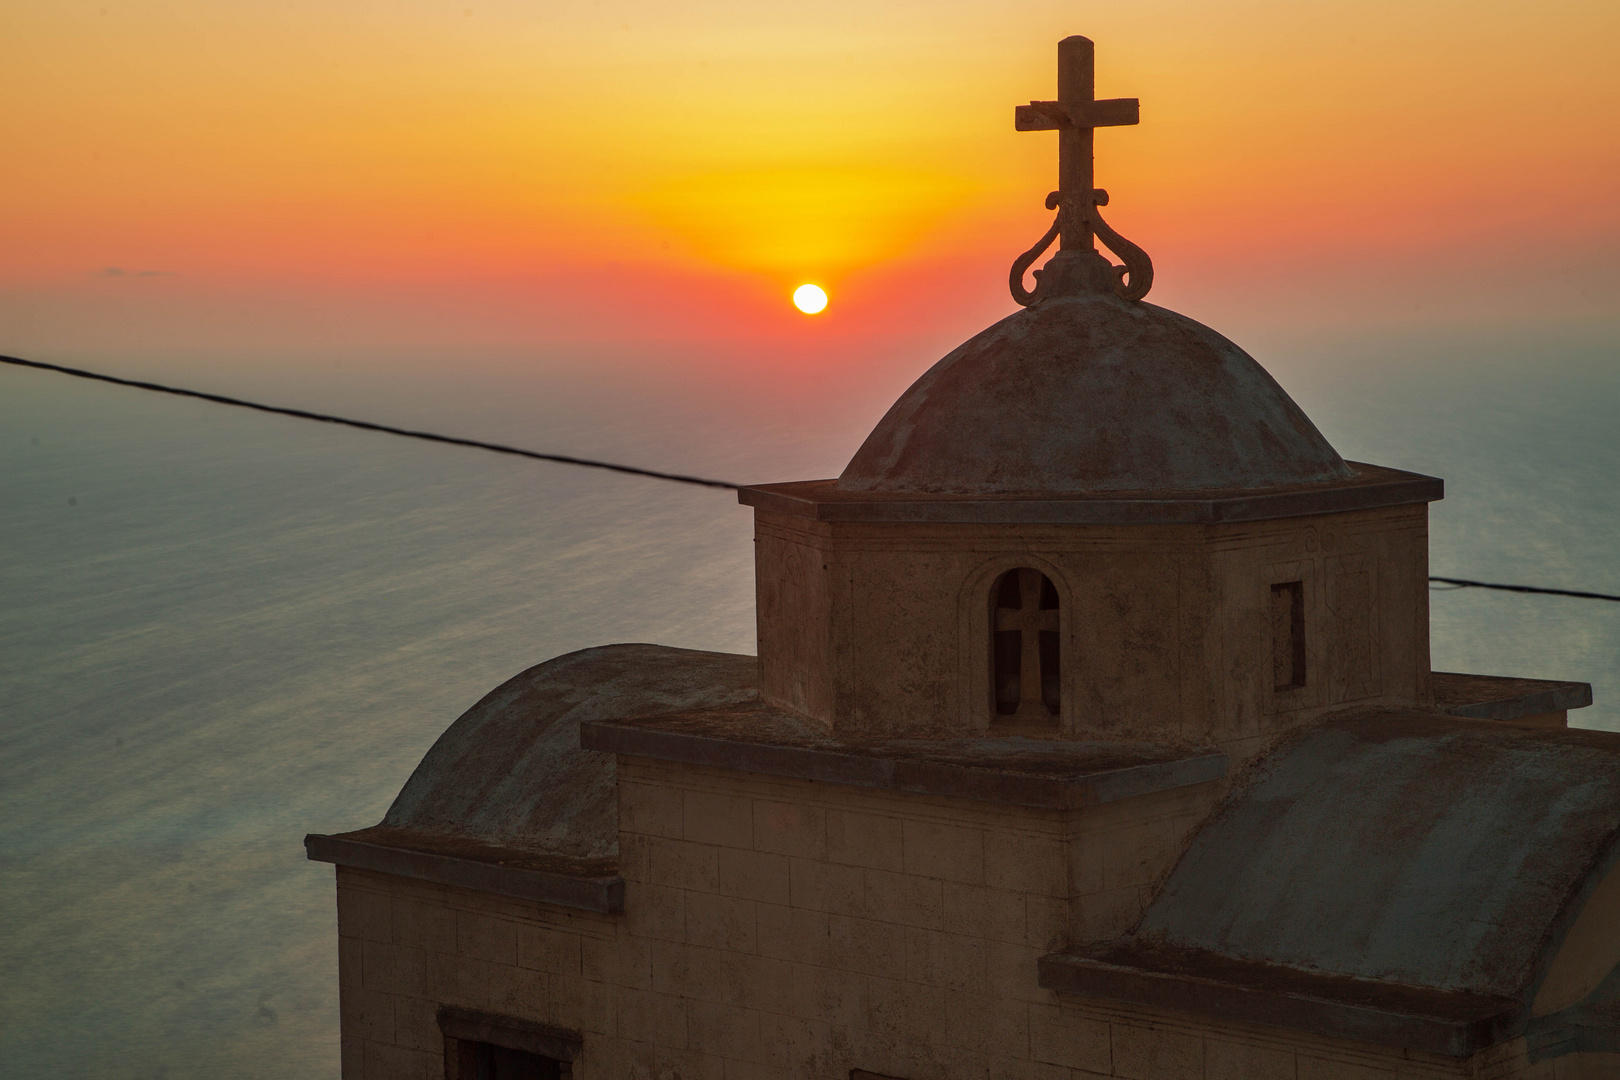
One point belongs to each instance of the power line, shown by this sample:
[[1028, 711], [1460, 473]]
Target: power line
[[1464, 583], [364, 425], [567, 459]]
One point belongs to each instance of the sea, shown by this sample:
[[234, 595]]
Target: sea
[[221, 630]]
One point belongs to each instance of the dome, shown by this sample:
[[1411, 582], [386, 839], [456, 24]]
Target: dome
[[1093, 393]]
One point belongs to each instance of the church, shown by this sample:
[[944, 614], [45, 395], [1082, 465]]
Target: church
[[1092, 733]]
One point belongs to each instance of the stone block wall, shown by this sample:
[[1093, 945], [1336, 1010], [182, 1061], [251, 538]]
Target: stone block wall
[[790, 930], [1365, 585], [1167, 630], [405, 947], [822, 927]]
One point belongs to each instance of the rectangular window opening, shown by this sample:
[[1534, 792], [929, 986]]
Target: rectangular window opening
[[486, 1061], [485, 1046], [1288, 636]]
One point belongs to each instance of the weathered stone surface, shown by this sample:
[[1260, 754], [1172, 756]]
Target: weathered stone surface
[[1369, 488], [755, 737], [1412, 879], [1412, 848], [1497, 697], [1165, 631], [510, 771], [1087, 394], [907, 987], [507, 801], [591, 884], [892, 919], [1453, 1023]]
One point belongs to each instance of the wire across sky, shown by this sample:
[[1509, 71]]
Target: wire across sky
[[589, 463]]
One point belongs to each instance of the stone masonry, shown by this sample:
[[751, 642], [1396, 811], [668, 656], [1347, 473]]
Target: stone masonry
[[780, 929]]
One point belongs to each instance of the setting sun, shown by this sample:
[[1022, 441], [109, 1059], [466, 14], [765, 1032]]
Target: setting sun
[[810, 299]]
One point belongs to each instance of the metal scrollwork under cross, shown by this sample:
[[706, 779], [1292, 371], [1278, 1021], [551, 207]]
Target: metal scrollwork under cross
[[1076, 115]]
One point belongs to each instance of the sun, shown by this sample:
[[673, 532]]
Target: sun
[[810, 299]]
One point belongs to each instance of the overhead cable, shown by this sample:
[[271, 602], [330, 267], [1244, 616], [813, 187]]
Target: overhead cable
[[1464, 583], [568, 459], [366, 425]]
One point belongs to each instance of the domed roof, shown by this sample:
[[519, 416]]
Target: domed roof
[[1093, 393]]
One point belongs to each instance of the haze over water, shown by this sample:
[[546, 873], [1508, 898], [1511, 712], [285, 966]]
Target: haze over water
[[221, 630]]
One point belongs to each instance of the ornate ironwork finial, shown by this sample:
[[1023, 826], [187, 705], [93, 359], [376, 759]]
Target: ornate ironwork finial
[[1078, 267]]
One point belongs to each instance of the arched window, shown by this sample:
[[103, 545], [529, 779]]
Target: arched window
[[1024, 636]]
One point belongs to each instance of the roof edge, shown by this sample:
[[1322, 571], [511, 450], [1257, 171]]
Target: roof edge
[[841, 766], [1373, 487], [587, 892], [1441, 1022], [1499, 697]]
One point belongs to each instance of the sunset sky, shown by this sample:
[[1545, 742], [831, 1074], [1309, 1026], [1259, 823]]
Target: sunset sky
[[196, 173]]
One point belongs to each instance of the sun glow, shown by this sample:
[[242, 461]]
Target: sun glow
[[810, 299], [397, 173]]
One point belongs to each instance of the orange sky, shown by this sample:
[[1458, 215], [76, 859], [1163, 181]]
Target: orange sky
[[312, 172]]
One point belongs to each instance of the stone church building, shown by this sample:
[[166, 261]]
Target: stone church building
[[1092, 733]]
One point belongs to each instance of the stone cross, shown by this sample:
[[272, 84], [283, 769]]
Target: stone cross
[[1029, 620], [1075, 115]]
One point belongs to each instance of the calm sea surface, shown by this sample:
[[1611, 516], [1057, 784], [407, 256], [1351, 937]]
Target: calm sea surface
[[221, 630]]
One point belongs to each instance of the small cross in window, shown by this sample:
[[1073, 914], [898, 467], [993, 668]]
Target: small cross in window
[[1026, 604]]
